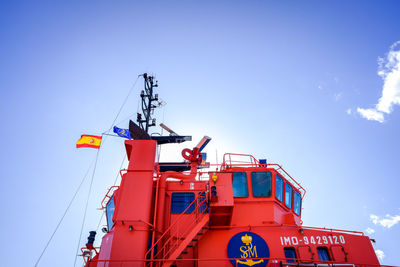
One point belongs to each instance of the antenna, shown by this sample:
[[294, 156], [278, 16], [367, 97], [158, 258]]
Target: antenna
[[140, 131], [148, 107]]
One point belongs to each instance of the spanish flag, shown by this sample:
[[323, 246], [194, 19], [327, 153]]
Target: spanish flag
[[92, 141]]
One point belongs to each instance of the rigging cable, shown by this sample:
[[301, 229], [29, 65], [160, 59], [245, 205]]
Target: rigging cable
[[65, 212], [94, 170], [87, 202], [123, 104], [127, 118], [81, 183], [115, 182], [162, 131]]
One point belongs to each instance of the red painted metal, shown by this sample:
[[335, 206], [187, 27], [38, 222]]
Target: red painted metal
[[146, 232], [108, 196], [132, 216], [177, 250], [180, 227]]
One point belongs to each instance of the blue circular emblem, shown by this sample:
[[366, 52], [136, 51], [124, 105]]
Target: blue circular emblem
[[248, 249]]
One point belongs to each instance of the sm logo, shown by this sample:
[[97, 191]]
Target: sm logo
[[248, 249]]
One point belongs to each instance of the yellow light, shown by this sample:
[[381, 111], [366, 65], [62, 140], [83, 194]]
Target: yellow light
[[214, 177]]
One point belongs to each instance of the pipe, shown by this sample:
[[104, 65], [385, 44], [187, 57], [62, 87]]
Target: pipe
[[153, 237], [163, 184]]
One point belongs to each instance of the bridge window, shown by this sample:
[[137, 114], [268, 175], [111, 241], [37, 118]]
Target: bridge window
[[181, 201], [297, 203], [261, 184], [288, 195], [239, 184], [110, 212], [323, 254], [290, 253], [279, 188]]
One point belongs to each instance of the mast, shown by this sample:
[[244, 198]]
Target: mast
[[145, 121]]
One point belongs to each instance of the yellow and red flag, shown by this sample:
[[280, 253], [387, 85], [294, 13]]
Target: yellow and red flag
[[92, 141]]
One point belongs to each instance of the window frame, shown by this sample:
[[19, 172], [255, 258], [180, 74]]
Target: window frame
[[247, 185], [283, 187], [294, 201], [295, 259], [291, 195], [110, 219], [327, 253], [269, 186], [190, 210]]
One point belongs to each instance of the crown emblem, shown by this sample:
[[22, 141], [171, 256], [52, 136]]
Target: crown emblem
[[246, 239]]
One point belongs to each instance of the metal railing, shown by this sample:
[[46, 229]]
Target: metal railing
[[273, 262], [181, 227], [232, 160], [108, 196], [238, 160]]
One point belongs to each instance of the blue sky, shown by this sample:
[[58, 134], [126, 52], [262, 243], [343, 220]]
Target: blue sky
[[312, 85]]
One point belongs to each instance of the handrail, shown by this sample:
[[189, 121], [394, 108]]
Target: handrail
[[228, 158], [108, 196], [300, 188], [253, 162], [276, 260], [86, 258], [333, 230], [180, 236], [176, 221]]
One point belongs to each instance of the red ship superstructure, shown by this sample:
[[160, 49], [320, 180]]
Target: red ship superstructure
[[244, 212]]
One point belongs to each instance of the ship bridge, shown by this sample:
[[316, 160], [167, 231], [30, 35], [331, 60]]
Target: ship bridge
[[244, 193], [248, 191]]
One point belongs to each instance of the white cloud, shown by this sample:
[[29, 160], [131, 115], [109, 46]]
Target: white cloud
[[388, 221], [380, 254], [338, 96], [348, 111], [369, 231], [371, 114], [389, 71], [374, 218]]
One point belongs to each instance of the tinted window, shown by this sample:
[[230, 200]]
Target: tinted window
[[297, 203], [279, 188], [180, 201], [323, 254], [203, 203], [110, 212], [290, 253], [288, 195], [239, 184], [261, 184]]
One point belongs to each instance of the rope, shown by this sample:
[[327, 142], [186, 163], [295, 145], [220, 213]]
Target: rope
[[87, 202], [123, 104], [81, 183], [65, 212], [105, 134], [162, 131], [127, 118], [115, 182]]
